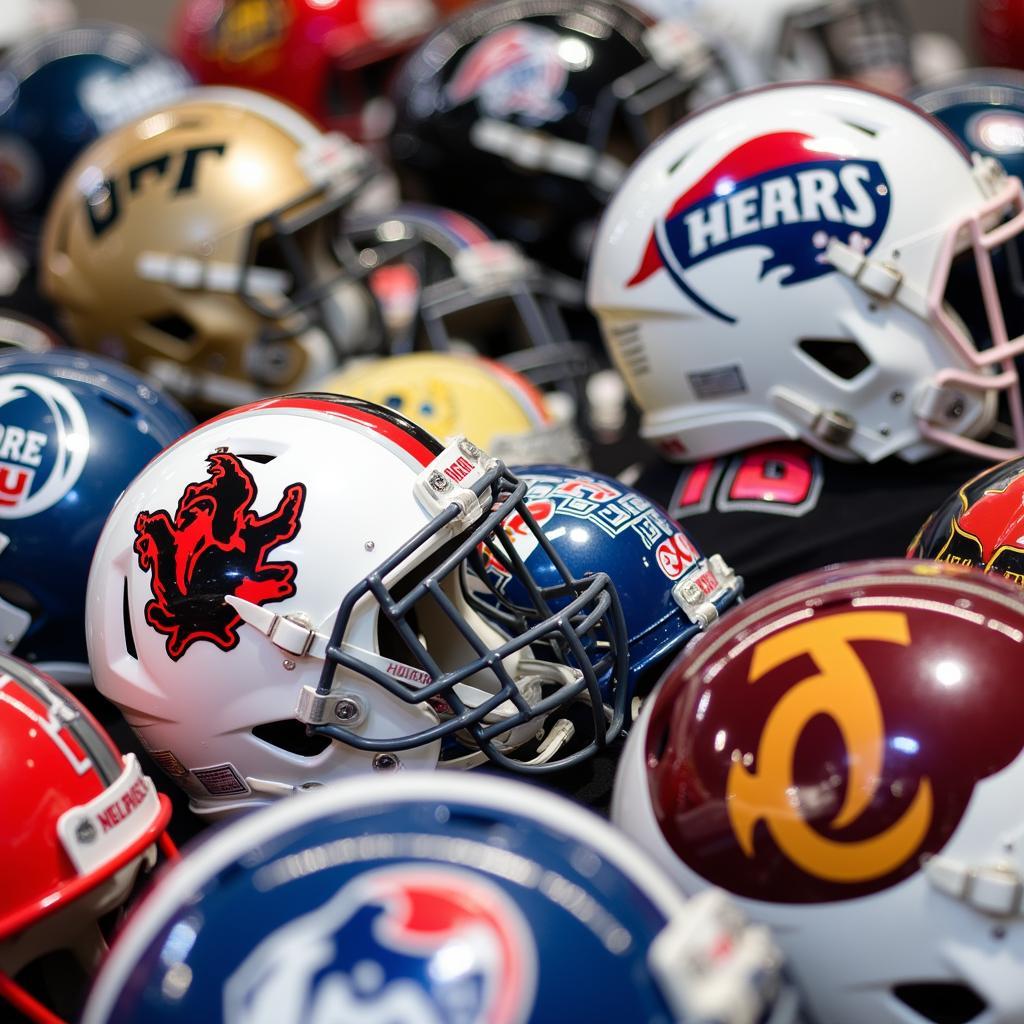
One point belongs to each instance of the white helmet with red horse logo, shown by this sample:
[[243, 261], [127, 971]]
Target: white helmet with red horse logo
[[277, 601]]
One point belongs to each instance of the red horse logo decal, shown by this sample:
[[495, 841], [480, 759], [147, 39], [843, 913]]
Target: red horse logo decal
[[214, 546]]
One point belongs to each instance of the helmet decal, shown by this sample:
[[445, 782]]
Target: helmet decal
[[376, 935], [516, 70], [786, 192], [247, 30], [215, 535], [39, 467]]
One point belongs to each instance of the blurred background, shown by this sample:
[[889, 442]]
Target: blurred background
[[153, 16]]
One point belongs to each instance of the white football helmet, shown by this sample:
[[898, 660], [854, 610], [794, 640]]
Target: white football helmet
[[782, 266], [278, 600], [786, 40]]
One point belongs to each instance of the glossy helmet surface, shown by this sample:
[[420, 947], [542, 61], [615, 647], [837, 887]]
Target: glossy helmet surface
[[198, 245], [299, 563], [981, 525], [802, 237], [984, 109], [1000, 32], [456, 394], [82, 820], [454, 905], [527, 114], [331, 60], [59, 92], [76, 430], [781, 40], [842, 754], [444, 281], [669, 591]]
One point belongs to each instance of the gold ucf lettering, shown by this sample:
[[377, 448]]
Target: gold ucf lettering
[[843, 690]]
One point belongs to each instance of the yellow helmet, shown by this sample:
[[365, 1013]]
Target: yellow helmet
[[197, 243], [453, 393]]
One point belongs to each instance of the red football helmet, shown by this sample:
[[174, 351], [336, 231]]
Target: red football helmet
[[81, 822], [330, 58], [845, 754], [1000, 25]]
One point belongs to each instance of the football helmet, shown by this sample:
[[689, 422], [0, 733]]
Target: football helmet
[[982, 525], [17, 331], [526, 115], [58, 93], [278, 601], [984, 109], [331, 60], [75, 430], [1000, 32], [467, 899], [444, 281], [669, 591], [779, 40], [842, 754], [85, 821], [197, 244], [454, 393], [770, 270]]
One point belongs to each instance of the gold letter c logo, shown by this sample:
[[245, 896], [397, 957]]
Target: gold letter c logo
[[842, 689]]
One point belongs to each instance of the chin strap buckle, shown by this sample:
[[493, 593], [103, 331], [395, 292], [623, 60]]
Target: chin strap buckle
[[292, 633]]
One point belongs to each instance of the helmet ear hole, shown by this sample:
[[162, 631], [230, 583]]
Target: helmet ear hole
[[942, 1002], [291, 736], [842, 358], [174, 324], [129, 635]]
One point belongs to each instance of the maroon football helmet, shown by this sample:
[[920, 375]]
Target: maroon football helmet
[[844, 753]]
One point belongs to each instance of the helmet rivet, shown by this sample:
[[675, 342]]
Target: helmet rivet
[[896, 397], [288, 664], [85, 832], [469, 449], [438, 481], [369, 545], [347, 710], [956, 409], [386, 763]]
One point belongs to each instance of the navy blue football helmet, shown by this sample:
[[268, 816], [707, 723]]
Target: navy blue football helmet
[[984, 109], [60, 91], [669, 591], [74, 431], [422, 899]]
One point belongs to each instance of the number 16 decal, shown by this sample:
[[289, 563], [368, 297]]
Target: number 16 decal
[[781, 479]]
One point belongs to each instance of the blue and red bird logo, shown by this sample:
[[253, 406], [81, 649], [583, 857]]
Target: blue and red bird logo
[[516, 70], [406, 944], [786, 192]]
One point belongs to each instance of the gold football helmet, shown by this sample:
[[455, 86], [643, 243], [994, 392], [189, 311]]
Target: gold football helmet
[[457, 394], [198, 244]]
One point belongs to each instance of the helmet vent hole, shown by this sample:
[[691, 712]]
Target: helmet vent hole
[[261, 458], [941, 1002], [14, 593], [122, 407], [175, 325], [291, 736], [842, 358], [129, 636]]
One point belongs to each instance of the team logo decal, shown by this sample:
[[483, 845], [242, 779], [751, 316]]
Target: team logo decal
[[247, 30], [112, 99], [516, 70], [842, 689], [785, 193], [989, 533], [44, 444], [213, 537], [385, 946]]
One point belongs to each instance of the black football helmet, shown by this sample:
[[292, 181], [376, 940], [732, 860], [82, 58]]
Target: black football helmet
[[526, 113]]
